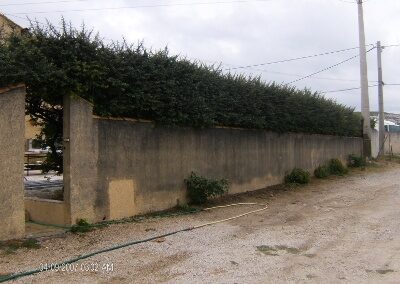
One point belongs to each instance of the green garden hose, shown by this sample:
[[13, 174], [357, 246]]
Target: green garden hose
[[85, 256]]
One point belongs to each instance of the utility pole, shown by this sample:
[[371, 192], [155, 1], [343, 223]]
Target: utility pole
[[364, 84], [380, 99]]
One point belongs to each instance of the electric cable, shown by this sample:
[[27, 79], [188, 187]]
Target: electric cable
[[329, 67], [142, 6], [343, 90], [40, 3], [296, 58]]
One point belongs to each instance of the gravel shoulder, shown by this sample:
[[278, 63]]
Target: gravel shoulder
[[340, 230]]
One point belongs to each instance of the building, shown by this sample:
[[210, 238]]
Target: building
[[7, 28]]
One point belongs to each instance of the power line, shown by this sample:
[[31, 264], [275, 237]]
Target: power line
[[269, 63], [296, 58], [391, 45], [44, 2], [46, 24], [355, 88], [299, 75], [142, 6], [327, 68], [351, 2], [344, 1], [348, 89]]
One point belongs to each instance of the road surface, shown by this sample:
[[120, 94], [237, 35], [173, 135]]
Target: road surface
[[341, 230]]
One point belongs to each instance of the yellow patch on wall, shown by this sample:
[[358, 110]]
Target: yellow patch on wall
[[121, 195]]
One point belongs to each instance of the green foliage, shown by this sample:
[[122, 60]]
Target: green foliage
[[336, 167], [186, 208], [130, 81], [82, 226], [298, 176], [321, 172], [200, 189], [356, 161], [373, 122]]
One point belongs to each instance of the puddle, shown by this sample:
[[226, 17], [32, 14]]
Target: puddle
[[384, 271], [380, 271], [274, 251]]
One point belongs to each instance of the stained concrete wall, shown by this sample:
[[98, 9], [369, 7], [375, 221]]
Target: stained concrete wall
[[392, 143], [80, 160], [12, 131], [119, 168], [158, 159]]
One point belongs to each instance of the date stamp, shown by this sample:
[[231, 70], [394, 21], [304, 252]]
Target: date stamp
[[95, 267]]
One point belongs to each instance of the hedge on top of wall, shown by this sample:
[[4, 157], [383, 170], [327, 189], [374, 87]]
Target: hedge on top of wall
[[131, 81]]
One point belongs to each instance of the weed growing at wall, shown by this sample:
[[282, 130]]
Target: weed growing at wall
[[321, 172], [356, 161], [298, 176], [336, 167], [82, 226], [200, 189]]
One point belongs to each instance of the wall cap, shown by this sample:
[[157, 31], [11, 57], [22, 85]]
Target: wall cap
[[11, 88], [43, 200]]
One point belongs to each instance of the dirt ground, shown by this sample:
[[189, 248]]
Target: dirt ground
[[340, 230]]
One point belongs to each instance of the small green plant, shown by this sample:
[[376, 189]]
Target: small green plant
[[200, 189], [321, 172], [336, 167], [298, 176], [186, 208], [82, 226], [356, 161]]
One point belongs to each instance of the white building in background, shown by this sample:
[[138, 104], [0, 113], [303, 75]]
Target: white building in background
[[390, 126]]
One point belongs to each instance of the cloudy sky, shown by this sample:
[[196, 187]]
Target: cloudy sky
[[248, 32]]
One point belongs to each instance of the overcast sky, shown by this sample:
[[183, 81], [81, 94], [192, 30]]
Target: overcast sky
[[246, 33]]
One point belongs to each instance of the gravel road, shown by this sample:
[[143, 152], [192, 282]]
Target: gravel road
[[341, 230]]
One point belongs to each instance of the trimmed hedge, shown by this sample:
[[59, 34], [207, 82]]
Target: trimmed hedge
[[128, 81]]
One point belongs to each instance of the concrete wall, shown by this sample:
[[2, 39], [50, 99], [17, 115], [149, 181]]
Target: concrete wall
[[157, 159], [46, 211], [392, 144], [119, 168], [80, 161], [12, 131]]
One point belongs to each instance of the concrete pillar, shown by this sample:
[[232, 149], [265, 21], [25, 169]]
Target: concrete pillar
[[80, 160], [12, 135]]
